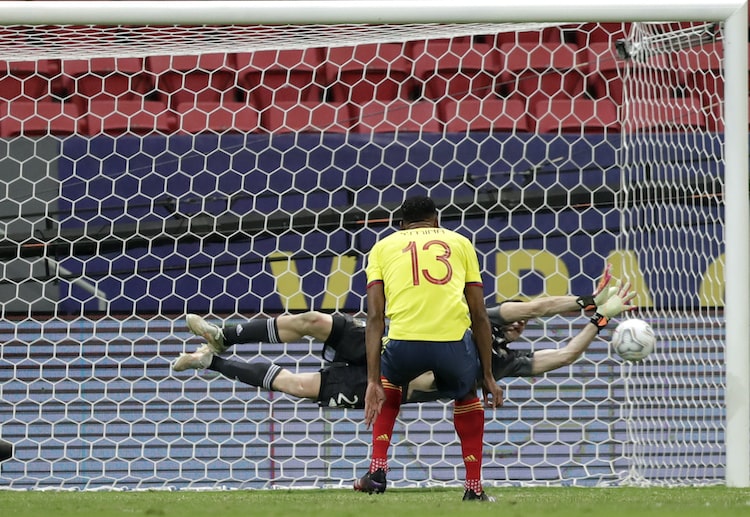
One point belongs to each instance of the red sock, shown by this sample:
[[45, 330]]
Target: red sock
[[468, 418], [382, 428]]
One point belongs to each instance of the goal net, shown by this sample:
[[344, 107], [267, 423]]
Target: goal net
[[241, 172]]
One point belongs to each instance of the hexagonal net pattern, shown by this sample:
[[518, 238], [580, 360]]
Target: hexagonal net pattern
[[243, 173]]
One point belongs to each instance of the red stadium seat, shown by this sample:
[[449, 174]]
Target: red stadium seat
[[38, 118], [271, 76], [604, 69], [456, 69], [222, 117], [669, 113], [484, 114], [600, 33], [301, 117], [27, 80], [125, 115], [203, 78], [399, 116], [535, 72], [105, 78], [378, 71], [700, 70], [545, 35], [576, 116]]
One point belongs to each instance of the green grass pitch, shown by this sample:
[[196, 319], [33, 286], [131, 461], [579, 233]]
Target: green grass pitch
[[511, 502]]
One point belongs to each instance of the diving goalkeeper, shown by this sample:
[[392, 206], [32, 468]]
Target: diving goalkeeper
[[343, 380]]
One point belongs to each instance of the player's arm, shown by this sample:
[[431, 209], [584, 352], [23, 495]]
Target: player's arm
[[552, 305], [482, 331], [374, 330], [547, 360], [538, 308]]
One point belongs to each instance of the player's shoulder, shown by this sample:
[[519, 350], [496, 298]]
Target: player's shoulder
[[386, 240], [457, 236]]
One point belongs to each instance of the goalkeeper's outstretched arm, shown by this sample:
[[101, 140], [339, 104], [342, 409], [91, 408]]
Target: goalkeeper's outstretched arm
[[620, 301], [552, 305]]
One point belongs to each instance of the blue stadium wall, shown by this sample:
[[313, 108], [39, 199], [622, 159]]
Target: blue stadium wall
[[174, 183]]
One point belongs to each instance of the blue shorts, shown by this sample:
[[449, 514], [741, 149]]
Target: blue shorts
[[454, 363]]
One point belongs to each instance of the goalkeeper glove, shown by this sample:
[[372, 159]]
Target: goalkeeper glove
[[601, 294], [620, 301]]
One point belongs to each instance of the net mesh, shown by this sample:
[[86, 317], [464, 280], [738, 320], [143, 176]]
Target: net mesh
[[673, 199], [18, 43], [243, 172]]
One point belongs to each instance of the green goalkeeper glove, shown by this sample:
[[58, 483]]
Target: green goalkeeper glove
[[620, 301]]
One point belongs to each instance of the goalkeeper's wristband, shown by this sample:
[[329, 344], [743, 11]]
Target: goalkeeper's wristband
[[600, 321], [586, 302]]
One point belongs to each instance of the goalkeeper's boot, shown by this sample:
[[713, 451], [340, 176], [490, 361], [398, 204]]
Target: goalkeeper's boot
[[208, 331], [470, 495], [198, 360], [372, 482]]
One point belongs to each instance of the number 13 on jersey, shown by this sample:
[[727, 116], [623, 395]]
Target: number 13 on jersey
[[442, 272]]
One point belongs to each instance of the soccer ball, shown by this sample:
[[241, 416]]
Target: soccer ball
[[633, 339]]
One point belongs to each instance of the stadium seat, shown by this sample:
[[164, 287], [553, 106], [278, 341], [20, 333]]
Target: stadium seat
[[455, 69], [38, 118], [203, 78], [484, 114], [220, 117], [537, 71], [105, 78], [600, 33], [27, 80], [300, 117], [576, 116], [603, 69], [669, 113], [545, 35], [378, 71], [126, 115], [271, 76], [399, 116], [700, 70]]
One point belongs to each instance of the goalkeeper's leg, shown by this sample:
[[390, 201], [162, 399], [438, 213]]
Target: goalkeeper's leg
[[282, 329], [269, 376]]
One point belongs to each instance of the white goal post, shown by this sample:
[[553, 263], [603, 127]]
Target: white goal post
[[477, 16]]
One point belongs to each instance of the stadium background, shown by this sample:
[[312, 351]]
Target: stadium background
[[157, 256]]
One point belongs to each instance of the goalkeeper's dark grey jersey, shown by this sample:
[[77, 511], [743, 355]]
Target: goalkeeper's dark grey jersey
[[344, 377]]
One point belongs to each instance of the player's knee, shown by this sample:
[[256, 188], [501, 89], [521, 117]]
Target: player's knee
[[312, 321]]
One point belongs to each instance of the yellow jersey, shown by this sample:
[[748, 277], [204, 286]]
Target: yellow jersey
[[424, 272]]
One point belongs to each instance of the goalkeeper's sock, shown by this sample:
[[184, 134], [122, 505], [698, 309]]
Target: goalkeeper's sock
[[260, 374], [382, 428], [468, 419], [254, 331]]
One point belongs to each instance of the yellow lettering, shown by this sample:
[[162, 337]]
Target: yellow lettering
[[288, 283], [711, 292], [625, 267], [510, 265], [339, 282]]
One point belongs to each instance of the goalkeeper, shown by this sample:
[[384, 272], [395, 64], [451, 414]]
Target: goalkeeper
[[343, 381]]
